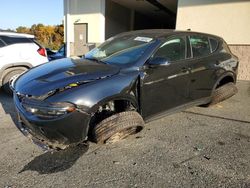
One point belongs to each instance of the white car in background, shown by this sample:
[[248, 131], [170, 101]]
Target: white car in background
[[18, 53]]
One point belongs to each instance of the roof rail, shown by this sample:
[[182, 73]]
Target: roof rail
[[13, 34]]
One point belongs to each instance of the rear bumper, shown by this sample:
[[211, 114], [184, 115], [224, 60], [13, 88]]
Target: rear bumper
[[57, 133]]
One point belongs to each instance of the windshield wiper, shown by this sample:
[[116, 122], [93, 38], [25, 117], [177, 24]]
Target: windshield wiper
[[96, 60]]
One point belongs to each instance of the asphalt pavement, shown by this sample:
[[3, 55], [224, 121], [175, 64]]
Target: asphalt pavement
[[198, 147]]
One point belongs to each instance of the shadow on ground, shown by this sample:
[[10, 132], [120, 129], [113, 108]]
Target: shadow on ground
[[8, 105], [49, 163]]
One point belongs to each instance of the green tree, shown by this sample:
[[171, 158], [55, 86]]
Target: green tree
[[22, 29], [48, 36]]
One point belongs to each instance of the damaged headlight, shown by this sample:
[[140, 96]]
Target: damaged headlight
[[49, 110]]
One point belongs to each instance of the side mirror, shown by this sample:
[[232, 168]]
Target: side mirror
[[158, 61]]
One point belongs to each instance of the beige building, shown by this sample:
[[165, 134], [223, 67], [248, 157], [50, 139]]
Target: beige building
[[90, 22], [229, 19]]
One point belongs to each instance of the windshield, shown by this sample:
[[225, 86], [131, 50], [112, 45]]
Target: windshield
[[62, 50], [121, 50]]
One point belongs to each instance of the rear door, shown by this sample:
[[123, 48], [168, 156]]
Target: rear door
[[202, 67], [10, 52]]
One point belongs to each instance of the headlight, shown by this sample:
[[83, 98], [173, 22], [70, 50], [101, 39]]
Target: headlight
[[12, 83], [48, 110]]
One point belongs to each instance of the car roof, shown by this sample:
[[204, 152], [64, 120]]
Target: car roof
[[159, 33], [12, 34]]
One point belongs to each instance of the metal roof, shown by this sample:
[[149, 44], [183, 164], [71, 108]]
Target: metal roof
[[158, 33]]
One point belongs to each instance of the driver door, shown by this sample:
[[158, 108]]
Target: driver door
[[166, 86]]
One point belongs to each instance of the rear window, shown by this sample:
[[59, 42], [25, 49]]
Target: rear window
[[15, 40], [37, 43], [200, 46], [214, 44]]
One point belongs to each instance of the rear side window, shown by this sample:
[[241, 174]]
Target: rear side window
[[173, 49], [226, 47], [15, 40], [37, 43], [214, 44], [200, 46]]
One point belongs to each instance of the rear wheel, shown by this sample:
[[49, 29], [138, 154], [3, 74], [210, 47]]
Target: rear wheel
[[117, 127], [223, 92], [9, 76]]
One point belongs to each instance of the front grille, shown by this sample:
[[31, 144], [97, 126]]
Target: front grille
[[23, 97]]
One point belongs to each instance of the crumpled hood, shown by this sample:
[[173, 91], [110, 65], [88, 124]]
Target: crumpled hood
[[60, 73]]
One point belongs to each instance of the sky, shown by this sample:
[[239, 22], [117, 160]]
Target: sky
[[14, 13]]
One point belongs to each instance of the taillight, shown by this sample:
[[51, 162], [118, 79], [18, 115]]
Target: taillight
[[42, 52]]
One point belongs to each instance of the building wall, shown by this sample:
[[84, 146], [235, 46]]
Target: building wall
[[229, 19], [117, 19], [243, 53], [91, 12]]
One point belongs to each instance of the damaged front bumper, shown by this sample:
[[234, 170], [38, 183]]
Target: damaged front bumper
[[57, 133]]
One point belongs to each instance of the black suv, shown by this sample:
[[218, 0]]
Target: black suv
[[131, 78]]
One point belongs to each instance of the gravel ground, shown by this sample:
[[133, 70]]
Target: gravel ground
[[199, 147]]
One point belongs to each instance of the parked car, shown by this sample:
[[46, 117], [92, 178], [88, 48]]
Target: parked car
[[18, 53], [131, 78], [61, 53], [50, 52]]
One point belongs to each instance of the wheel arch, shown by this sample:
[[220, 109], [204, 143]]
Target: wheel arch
[[128, 97], [224, 79], [130, 94], [8, 68]]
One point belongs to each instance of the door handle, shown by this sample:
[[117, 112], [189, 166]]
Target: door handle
[[185, 69]]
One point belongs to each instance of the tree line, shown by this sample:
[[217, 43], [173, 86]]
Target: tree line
[[47, 35]]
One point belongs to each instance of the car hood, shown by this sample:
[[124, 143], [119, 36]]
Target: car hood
[[59, 74]]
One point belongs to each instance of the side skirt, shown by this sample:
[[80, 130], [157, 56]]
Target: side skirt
[[178, 109]]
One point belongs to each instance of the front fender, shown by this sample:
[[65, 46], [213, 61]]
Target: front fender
[[90, 96]]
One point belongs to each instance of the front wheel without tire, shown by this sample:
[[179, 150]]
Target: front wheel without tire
[[117, 127]]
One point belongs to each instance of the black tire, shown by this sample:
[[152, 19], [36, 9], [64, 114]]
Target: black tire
[[8, 76], [223, 92], [117, 127]]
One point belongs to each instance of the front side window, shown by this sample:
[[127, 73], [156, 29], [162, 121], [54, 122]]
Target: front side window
[[200, 46], [121, 50], [173, 49]]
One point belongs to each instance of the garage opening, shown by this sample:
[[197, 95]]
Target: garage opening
[[128, 15]]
